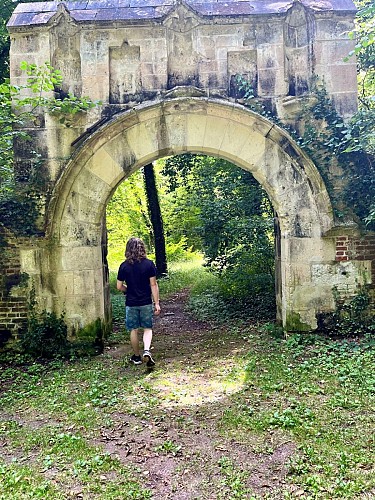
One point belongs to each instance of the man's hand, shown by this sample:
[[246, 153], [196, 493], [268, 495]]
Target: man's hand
[[157, 309], [121, 287]]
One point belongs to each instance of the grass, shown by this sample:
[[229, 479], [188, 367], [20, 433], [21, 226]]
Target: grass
[[318, 395], [321, 394], [236, 410]]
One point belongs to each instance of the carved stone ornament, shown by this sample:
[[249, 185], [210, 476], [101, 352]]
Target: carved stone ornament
[[62, 15], [182, 19], [65, 48], [185, 91]]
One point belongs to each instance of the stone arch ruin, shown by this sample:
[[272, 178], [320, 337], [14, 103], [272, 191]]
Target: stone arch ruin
[[165, 72]]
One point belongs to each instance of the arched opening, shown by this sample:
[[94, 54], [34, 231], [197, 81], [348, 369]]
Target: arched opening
[[218, 235], [150, 131]]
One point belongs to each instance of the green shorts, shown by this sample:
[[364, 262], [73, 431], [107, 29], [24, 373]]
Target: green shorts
[[139, 316]]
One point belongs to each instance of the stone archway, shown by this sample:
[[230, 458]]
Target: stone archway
[[73, 280]]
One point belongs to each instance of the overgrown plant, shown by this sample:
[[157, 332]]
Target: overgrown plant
[[22, 190], [330, 142], [45, 79], [46, 333], [351, 317]]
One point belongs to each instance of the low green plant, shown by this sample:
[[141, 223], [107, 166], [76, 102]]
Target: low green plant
[[234, 480], [169, 447], [46, 335], [118, 308], [351, 317], [233, 295], [274, 330]]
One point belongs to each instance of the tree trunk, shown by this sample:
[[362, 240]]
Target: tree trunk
[[156, 219]]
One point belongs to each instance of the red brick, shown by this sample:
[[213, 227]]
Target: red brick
[[342, 257]]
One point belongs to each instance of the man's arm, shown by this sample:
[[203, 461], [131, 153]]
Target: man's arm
[[120, 286], [155, 294]]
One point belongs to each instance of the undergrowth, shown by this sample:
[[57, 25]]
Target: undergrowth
[[299, 409]]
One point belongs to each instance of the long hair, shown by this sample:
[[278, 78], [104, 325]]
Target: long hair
[[135, 250]]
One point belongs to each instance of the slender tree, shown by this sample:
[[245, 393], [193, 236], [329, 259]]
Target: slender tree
[[156, 219]]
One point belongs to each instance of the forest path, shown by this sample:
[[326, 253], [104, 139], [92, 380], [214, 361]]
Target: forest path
[[181, 437]]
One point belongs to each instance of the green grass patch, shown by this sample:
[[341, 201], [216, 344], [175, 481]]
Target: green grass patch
[[320, 394], [307, 396]]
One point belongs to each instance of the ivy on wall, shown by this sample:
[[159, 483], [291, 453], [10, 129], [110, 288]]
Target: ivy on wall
[[23, 186], [341, 151]]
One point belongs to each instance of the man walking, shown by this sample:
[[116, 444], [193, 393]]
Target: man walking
[[136, 277]]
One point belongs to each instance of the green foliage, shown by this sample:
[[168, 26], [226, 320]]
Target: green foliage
[[331, 142], [169, 447], [22, 192], [235, 224], [40, 79], [234, 480], [8, 123], [364, 34], [43, 79], [207, 203], [233, 296], [180, 252], [351, 317], [232, 213], [127, 216], [273, 330], [118, 309], [305, 403], [46, 335], [182, 275]]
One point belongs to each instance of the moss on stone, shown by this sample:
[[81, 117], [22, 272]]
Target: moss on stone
[[293, 323]]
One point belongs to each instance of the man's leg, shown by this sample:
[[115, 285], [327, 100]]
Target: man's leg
[[147, 357], [147, 338], [134, 341]]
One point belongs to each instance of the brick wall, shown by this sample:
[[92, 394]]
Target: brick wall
[[13, 309], [357, 248]]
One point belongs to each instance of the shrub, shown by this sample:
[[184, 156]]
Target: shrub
[[351, 318], [46, 335], [180, 252], [233, 295]]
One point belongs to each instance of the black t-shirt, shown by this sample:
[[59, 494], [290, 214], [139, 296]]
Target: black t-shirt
[[137, 278]]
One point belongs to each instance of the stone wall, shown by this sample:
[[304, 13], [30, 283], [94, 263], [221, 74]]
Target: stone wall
[[360, 249]]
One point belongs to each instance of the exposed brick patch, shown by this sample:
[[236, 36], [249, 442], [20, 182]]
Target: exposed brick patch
[[357, 248], [13, 310]]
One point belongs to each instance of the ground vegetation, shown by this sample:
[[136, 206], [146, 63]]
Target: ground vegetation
[[230, 411]]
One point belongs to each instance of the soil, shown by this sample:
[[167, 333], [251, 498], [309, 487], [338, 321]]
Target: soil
[[191, 469]]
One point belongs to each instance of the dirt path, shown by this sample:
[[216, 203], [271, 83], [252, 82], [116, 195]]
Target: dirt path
[[180, 446]]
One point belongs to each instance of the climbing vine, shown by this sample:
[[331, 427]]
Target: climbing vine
[[339, 149], [23, 188]]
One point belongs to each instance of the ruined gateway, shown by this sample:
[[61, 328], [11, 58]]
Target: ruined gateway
[[166, 73]]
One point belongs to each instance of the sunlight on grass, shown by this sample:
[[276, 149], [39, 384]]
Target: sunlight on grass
[[308, 399], [182, 275], [185, 388]]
